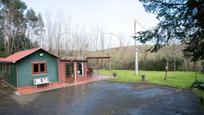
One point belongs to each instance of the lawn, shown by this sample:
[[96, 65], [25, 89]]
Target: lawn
[[200, 94], [176, 79]]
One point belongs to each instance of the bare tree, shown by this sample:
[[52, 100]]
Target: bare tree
[[173, 51], [58, 33], [49, 32]]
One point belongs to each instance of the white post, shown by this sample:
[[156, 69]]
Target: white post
[[136, 59], [82, 68], [75, 72], [136, 50]]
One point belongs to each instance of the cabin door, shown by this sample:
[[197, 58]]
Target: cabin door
[[69, 71]]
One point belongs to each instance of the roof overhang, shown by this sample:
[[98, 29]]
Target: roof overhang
[[99, 57], [74, 60]]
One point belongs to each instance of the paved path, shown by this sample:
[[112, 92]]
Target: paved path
[[104, 98]]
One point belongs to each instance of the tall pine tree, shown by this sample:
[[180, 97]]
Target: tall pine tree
[[178, 19], [15, 20]]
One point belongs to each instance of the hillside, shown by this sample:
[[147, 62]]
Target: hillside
[[123, 57]]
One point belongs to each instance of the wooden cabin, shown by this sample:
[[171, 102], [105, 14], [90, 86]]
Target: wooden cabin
[[37, 67]]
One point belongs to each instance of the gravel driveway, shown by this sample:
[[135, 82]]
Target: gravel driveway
[[103, 98]]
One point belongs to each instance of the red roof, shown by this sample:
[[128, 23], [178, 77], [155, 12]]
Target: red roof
[[1, 59], [21, 54]]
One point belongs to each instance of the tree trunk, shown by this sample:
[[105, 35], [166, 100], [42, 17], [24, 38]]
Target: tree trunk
[[174, 64], [195, 69], [166, 69]]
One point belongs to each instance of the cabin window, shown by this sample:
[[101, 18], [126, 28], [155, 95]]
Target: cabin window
[[80, 68], [35, 68], [42, 67], [39, 68]]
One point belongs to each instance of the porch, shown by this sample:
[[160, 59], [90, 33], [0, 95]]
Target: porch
[[72, 71], [57, 85]]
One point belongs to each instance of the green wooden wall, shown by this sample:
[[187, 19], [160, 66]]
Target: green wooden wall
[[12, 75], [24, 68], [8, 73], [1, 69]]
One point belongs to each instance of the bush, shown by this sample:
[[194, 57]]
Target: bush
[[198, 84], [159, 64]]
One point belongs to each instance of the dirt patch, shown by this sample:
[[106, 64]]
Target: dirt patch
[[5, 90]]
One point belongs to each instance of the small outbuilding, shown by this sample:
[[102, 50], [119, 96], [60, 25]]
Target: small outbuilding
[[35, 69], [30, 67]]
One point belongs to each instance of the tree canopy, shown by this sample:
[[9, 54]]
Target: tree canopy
[[17, 24], [178, 19]]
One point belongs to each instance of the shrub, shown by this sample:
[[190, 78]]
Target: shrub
[[198, 84], [159, 64]]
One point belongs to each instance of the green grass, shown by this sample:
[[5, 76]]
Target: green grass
[[175, 79], [200, 94]]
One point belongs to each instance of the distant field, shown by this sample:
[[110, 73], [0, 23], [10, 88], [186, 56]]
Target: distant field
[[175, 79]]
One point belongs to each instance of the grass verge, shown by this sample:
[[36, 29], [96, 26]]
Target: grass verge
[[176, 79], [200, 94]]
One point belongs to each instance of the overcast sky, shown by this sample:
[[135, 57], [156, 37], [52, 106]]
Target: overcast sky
[[114, 16]]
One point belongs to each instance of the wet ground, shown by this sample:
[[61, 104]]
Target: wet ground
[[103, 98]]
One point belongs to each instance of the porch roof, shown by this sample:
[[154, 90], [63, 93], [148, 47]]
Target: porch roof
[[70, 59], [99, 57]]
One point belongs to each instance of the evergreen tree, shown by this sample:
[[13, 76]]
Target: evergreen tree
[[178, 19], [16, 20]]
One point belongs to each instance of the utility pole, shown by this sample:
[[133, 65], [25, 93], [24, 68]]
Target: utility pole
[[136, 50]]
